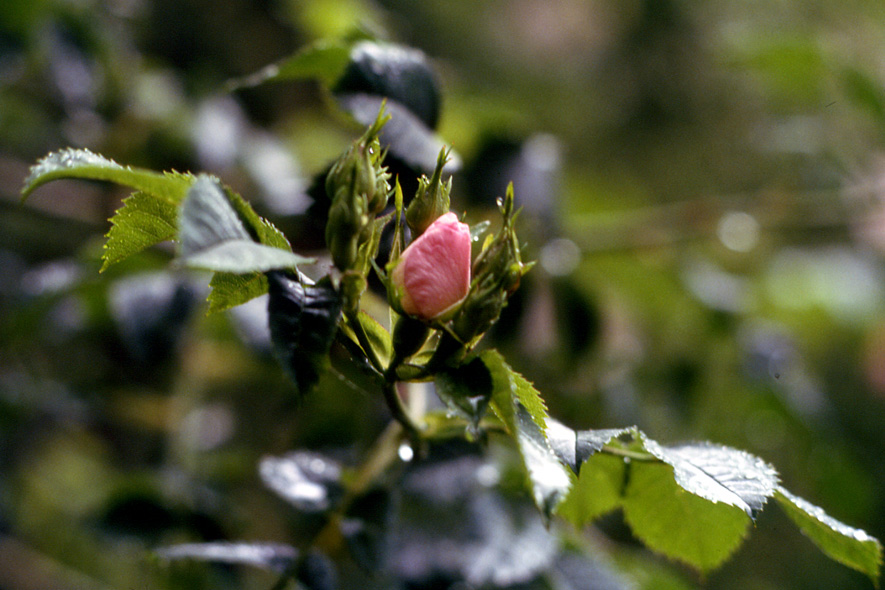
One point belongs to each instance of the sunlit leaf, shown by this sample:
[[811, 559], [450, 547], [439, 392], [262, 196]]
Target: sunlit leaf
[[270, 556], [260, 229], [596, 491], [507, 385], [81, 163], [549, 478], [590, 442], [720, 474], [847, 545], [601, 477], [693, 503], [141, 222], [678, 523]]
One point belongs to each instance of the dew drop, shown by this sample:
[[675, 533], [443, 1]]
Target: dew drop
[[406, 452]]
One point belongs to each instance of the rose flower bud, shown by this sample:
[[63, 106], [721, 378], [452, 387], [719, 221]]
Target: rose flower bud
[[433, 272]]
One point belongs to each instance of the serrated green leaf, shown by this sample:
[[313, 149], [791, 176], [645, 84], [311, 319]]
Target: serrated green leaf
[[261, 230], [549, 478], [520, 407], [508, 385], [230, 290], [601, 477], [213, 236], [142, 221], [243, 256], [74, 163], [849, 546], [678, 523], [324, 61], [596, 491], [720, 474]]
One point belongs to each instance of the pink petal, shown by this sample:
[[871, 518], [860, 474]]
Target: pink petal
[[435, 269]]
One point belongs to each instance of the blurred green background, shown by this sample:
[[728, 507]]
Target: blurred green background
[[704, 187]]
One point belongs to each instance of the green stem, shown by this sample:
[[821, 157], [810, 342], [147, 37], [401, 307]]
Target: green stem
[[380, 457], [400, 412], [628, 454]]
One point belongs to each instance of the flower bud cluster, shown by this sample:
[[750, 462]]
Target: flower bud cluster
[[497, 272], [359, 188], [434, 281]]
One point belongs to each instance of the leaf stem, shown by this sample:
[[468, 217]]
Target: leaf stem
[[628, 454]]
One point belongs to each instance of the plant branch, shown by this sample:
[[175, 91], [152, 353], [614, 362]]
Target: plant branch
[[400, 412]]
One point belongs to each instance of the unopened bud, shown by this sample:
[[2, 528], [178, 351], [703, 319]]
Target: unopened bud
[[432, 275], [432, 198], [360, 171], [358, 187], [348, 216]]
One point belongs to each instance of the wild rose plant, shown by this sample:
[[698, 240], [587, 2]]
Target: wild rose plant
[[444, 303]]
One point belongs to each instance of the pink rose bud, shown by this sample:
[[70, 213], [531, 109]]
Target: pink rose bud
[[433, 273]]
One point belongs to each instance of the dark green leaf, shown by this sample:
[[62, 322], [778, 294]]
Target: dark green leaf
[[847, 545], [466, 391], [72, 163], [521, 409], [396, 72], [677, 523], [270, 556], [144, 220], [303, 320], [317, 572], [212, 235]]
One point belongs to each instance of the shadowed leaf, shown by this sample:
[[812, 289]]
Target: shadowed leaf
[[270, 556]]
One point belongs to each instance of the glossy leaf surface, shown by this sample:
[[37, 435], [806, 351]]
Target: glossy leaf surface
[[847, 545]]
